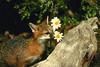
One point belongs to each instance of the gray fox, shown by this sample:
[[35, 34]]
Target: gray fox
[[21, 52]]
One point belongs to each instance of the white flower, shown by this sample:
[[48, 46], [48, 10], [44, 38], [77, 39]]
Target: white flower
[[58, 36], [55, 23]]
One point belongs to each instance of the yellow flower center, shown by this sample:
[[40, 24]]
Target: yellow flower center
[[57, 36], [56, 23]]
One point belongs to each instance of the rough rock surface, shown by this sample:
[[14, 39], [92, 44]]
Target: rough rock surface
[[76, 49]]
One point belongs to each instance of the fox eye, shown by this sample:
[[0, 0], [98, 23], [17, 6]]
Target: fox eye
[[38, 29]]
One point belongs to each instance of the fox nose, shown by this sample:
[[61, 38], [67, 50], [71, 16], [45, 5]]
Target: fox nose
[[47, 33]]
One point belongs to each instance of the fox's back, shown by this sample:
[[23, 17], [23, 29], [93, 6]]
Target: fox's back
[[12, 47]]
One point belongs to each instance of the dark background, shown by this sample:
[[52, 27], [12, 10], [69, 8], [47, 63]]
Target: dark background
[[10, 19]]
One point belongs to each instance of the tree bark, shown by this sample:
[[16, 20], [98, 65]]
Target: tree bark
[[77, 48]]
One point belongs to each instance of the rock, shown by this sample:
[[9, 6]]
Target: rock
[[77, 48]]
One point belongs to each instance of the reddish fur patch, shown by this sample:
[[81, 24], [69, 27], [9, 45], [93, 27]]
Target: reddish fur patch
[[34, 48]]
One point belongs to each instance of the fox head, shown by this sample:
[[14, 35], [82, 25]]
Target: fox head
[[41, 31]]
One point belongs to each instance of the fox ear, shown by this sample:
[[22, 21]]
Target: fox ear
[[46, 21], [33, 27]]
